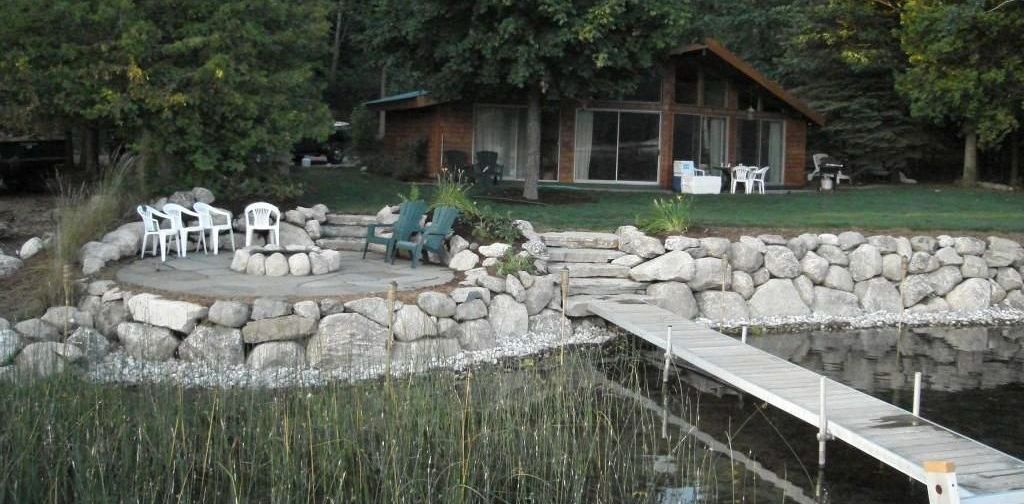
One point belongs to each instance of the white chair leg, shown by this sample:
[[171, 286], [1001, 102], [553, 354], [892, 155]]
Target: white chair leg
[[182, 245], [163, 248], [277, 236], [248, 236], [215, 238], [232, 231], [142, 254]]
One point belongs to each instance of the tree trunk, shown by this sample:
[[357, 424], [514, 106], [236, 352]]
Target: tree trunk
[[970, 175], [90, 150], [1015, 157], [336, 53], [532, 144], [381, 117]]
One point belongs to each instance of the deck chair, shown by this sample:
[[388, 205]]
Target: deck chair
[[456, 162], [408, 223], [487, 170], [430, 238]]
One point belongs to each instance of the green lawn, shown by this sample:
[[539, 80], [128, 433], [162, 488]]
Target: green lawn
[[883, 207]]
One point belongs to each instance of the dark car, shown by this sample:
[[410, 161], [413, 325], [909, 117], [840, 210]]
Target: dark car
[[329, 151], [26, 162]]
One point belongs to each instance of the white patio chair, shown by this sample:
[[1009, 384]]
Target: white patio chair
[[151, 227], [207, 217], [262, 217], [178, 214], [741, 175], [756, 178]]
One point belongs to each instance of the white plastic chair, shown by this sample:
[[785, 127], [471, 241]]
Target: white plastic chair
[[177, 214], [741, 175], [207, 217], [262, 217], [151, 227], [756, 178]]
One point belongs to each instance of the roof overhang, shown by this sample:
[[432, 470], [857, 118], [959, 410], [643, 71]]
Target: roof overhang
[[404, 101], [746, 69]]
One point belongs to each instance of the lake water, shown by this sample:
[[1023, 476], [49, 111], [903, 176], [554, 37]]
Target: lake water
[[973, 383]]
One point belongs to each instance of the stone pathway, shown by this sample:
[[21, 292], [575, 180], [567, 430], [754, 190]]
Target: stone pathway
[[209, 275]]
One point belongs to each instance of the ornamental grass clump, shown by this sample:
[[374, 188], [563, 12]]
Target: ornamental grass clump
[[666, 216], [453, 191]]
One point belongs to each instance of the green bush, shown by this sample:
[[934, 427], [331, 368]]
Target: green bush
[[452, 191], [666, 216], [490, 226], [510, 264], [364, 131]]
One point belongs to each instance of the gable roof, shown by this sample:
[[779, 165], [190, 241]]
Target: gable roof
[[748, 70]]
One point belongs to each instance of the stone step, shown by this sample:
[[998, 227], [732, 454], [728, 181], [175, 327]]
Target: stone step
[[605, 286], [334, 231], [583, 255], [351, 219], [579, 305], [581, 239], [588, 270]]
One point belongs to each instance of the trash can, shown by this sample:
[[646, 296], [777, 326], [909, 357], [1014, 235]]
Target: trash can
[[677, 176]]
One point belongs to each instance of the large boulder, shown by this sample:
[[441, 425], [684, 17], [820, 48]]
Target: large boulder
[[540, 294], [515, 288], [436, 304], [508, 318], [798, 247], [425, 351], [878, 295], [256, 265], [67, 318], [1009, 279], [474, 335], [94, 345], [833, 254], [675, 297], [471, 310], [40, 360], [178, 316], [298, 264], [781, 262], [966, 245], [347, 340], [805, 287], [924, 244], [307, 309], [126, 241], [745, 257], [147, 342], [849, 240], [836, 303], [777, 297], [463, 294], [264, 308], [31, 247], [948, 256], [680, 242], [814, 267], [711, 273], [229, 313], [892, 267], [580, 239], [865, 262], [743, 284], [715, 246], [9, 265], [676, 266], [944, 279], [277, 354], [109, 317], [464, 261], [373, 308], [974, 267], [884, 243], [722, 306], [288, 327], [635, 242], [411, 324], [971, 295], [494, 250], [10, 344], [922, 262], [276, 265], [213, 345], [295, 235], [35, 330], [915, 289]]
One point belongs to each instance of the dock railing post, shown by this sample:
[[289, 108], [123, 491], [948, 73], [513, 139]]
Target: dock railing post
[[392, 298], [565, 320], [668, 353], [822, 424], [743, 334], [940, 478], [917, 394]]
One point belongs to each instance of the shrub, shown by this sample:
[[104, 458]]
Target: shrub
[[666, 216], [510, 264], [412, 195], [452, 191], [364, 131], [489, 226]]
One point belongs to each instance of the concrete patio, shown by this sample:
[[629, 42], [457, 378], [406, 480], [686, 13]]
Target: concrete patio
[[209, 275]]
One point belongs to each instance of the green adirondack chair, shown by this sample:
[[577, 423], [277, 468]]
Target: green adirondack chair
[[430, 238], [409, 216]]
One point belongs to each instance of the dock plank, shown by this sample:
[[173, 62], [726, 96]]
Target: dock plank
[[879, 429]]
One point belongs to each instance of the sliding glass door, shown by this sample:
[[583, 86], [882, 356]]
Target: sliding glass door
[[502, 129], [700, 139], [617, 146], [761, 144]]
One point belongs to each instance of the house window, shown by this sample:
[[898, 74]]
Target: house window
[[502, 129], [617, 146], [715, 89], [761, 144], [700, 139], [687, 82]]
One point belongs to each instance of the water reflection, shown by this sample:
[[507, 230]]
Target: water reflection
[[878, 360]]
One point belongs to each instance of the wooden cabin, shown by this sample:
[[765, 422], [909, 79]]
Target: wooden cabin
[[703, 104]]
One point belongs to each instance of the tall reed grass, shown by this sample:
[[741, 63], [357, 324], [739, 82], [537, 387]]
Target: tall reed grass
[[543, 433], [85, 211]]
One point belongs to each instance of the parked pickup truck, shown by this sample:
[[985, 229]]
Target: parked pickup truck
[[26, 162]]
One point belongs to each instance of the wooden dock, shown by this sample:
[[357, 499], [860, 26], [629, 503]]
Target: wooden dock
[[886, 432]]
